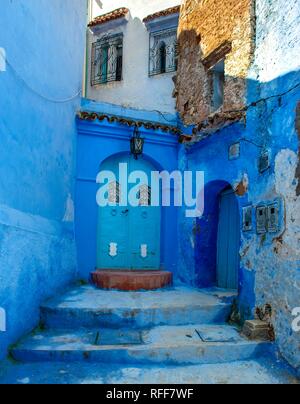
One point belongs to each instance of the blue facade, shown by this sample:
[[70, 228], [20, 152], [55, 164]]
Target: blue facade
[[39, 91], [49, 162]]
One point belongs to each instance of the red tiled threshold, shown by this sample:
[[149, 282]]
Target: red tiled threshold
[[131, 280]]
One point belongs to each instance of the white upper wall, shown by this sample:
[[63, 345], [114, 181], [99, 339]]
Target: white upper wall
[[137, 89]]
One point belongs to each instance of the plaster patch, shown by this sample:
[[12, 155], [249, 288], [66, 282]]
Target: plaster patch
[[69, 213], [242, 187], [192, 242], [285, 165]]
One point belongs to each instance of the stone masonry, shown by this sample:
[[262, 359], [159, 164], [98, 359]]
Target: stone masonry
[[208, 31]]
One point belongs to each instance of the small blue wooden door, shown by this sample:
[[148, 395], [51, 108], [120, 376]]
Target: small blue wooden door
[[129, 237], [228, 259]]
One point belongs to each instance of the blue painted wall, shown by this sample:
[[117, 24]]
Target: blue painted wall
[[269, 268], [98, 141], [44, 45]]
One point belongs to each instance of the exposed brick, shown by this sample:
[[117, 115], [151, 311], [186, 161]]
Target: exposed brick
[[207, 32]]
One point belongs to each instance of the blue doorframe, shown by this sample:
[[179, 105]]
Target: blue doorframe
[[97, 142]]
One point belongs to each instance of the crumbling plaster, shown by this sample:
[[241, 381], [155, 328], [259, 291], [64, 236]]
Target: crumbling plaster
[[203, 28]]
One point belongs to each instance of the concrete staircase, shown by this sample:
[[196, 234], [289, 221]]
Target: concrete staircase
[[173, 327]]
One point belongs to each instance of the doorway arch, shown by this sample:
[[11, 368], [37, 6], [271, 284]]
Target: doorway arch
[[208, 242], [129, 237]]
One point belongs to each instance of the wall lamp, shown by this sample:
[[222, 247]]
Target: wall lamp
[[136, 143]]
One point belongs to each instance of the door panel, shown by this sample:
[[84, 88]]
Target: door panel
[[145, 238], [228, 241], [109, 236]]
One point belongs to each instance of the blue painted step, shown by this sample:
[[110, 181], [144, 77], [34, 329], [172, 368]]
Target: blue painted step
[[92, 308], [169, 345]]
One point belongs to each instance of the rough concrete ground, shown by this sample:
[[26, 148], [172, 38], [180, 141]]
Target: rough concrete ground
[[262, 371], [230, 359]]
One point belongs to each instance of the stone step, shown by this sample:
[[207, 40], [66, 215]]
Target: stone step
[[92, 308], [169, 345], [131, 280]]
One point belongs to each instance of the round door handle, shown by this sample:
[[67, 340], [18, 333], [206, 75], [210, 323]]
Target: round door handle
[[114, 212]]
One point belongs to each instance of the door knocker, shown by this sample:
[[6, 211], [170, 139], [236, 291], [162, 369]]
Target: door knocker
[[113, 249]]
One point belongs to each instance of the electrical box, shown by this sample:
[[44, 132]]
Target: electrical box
[[264, 161], [261, 219], [273, 218], [247, 218]]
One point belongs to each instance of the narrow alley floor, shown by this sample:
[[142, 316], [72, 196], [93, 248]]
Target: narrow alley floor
[[261, 371], [171, 336]]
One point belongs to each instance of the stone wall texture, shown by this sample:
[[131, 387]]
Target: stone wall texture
[[204, 27]]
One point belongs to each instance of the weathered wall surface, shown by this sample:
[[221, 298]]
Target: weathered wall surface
[[269, 270], [44, 45], [204, 27], [137, 89], [277, 69]]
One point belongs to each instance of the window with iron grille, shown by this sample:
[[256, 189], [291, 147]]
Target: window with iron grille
[[107, 60], [163, 52]]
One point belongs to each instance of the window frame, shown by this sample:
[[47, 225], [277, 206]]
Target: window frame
[[218, 78], [113, 73], [156, 38], [219, 55]]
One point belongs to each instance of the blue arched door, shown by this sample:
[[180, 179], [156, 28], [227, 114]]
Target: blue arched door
[[129, 236]]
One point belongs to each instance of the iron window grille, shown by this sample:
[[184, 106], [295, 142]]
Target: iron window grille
[[163, 52], [107, 60], [144, 195], [114, 193]]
